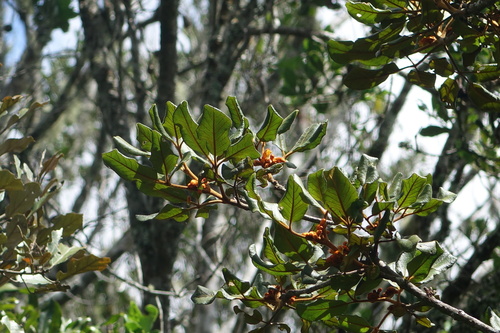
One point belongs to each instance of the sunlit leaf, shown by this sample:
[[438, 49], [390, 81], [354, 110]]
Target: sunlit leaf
[[335, 190], [448, 92], [321, 309], [83, 263], [242, 149], [188, 127], [172, 212], [270, 126], [366, 13], [203, 295], [311, 138], [428, 260], [350, 323], [293, 207], [128, 168], [286, 268], [213, 130], [410, 190]]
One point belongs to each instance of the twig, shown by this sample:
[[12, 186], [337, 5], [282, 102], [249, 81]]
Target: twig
[[387, 273], [143, 288]]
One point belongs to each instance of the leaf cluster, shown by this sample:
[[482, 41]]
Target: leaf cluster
[[33, 254], [444, 39], [323, 273]]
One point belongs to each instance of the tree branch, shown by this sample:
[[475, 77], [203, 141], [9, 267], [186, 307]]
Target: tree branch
[[387, 273], [291, 31], [474, 7]]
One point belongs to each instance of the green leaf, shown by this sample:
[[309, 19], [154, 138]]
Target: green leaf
[[344, 282], [270, 251], [424, 321], [367, 284], [433, 130], [366, 13], [411, 188], [448, 92], [235, 111], [157, 123], [234, 286], [361, 79], [62, 254], [9, 182], [311, 138], [22, 201], [242, 149], [172, 212], [482, 98], [366, 171], [409, 244], [293, 206], [334, 189], [270, 126], [136, 321], [128, 168], [433, 204], [294, 247], [394, 189], [422, 78], [15, 145], [486, 72], [70, 223], [188, 127], [321, 309], [353, 324], [286, 268], [162, 158], [428, 260], [169, 193], [287, 122], [442, 67], [369, 50], [203, 295], [128, 148], [168, 122], [214, 130]]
